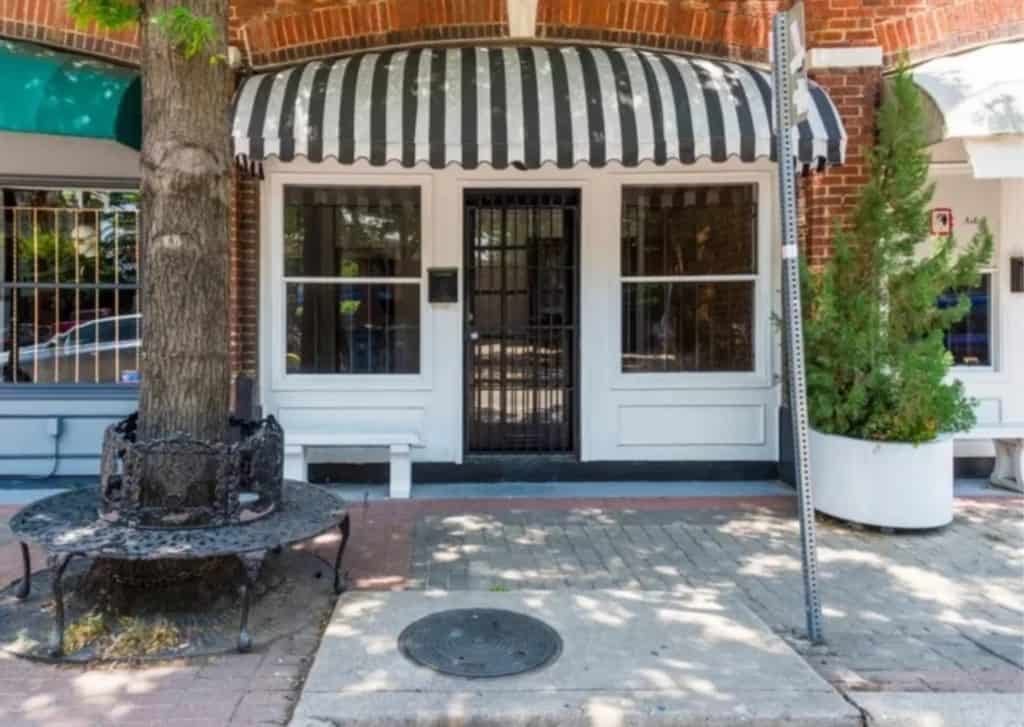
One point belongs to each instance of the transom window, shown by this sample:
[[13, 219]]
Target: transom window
[[689, 272], [352, 280], [69, 283]]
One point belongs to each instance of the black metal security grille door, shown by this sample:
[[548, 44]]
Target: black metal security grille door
[[521, 321]]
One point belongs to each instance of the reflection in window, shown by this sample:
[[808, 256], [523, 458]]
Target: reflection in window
[[361, 312], [689, 269], [69, 308], [970, 340], [688, 327], [353, 329], [352, 232]]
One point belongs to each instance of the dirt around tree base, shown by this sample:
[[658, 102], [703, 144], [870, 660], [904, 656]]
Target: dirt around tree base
[[126, 588], [158, 621]]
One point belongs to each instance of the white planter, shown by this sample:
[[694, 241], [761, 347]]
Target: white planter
[[883, 484]]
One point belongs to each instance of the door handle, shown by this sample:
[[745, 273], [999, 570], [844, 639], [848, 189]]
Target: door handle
[[474, 336]]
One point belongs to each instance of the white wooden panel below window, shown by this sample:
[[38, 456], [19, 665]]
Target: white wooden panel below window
[[681, 426], [365, 420]]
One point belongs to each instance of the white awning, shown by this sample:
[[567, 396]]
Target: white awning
[[978, 97], [524, 107]]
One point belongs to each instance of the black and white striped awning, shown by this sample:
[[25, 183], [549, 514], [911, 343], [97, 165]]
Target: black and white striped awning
[[524, 107]]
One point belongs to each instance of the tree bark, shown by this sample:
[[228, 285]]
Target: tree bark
[[186, 158]]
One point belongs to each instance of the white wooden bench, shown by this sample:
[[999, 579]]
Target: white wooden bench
[[299, 451], [1009, 440]]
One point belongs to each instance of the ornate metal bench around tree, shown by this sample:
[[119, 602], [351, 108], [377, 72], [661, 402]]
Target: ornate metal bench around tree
[[183, 499], [67, 526]]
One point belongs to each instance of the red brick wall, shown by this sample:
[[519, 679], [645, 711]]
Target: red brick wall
[[244, 258], [721, 28], [276, 31], [47, 22], [827, 198], [272, 33]]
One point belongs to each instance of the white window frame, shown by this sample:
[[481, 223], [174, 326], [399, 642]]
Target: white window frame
[[760, 376], [281, 380]]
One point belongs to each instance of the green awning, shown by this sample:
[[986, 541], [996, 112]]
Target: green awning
[[43, 91]]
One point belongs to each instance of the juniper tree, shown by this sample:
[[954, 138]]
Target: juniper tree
[[877, 365]]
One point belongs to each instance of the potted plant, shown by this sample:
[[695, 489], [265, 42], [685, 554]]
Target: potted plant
[[882, 405]]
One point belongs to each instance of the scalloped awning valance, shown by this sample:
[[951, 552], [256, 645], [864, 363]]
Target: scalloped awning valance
[[522, 106]]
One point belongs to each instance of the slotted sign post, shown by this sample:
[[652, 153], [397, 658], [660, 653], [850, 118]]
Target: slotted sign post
[[792, 100]]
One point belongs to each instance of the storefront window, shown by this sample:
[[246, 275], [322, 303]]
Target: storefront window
[[689, 269], [970, 340], [352, 280], [69, 276]]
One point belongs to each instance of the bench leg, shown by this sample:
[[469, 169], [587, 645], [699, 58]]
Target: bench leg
[[295, 464], [401, 472], [1009, 470], [340, 579], [251, 565], [57, 565], [25, 587]]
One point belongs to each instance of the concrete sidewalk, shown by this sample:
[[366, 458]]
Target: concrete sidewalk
[[690, 657]]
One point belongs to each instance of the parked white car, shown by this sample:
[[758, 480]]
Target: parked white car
[[105, 350]]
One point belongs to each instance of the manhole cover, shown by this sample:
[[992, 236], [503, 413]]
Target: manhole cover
[[480, 643]]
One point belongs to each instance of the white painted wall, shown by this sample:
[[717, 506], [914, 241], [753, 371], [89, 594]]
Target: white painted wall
[[634, 417], [999, 389]]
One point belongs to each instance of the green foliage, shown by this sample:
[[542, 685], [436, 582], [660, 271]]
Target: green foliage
[[109, 14], [189, 32], [876, 360]]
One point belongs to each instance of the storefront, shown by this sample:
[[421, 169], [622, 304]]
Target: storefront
[[70, 328], [560, 251], [976, 107]]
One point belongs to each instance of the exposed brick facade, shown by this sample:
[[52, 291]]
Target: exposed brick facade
[[48, 22], [272, 32], [726, 29], [825, 198], [244, 260], [276, 31]]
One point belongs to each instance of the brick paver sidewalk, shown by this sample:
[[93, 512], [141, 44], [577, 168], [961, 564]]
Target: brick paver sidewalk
[[942, 611], [937, 611]]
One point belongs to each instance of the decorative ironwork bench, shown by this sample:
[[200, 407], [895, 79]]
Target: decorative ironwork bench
[[68, 526]]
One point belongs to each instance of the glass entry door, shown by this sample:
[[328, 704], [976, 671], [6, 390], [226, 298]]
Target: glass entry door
[[521, 321]]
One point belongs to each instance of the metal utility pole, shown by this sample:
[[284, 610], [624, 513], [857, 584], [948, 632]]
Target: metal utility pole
[[792, 100]]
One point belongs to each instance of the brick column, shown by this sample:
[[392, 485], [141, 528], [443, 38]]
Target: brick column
[[828, 198], [847, 62], [245, 272]]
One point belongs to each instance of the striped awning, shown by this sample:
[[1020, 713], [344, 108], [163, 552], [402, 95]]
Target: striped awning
[[522, 107]]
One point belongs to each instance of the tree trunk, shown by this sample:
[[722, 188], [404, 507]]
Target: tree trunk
[[186, 159], [186, 377]]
